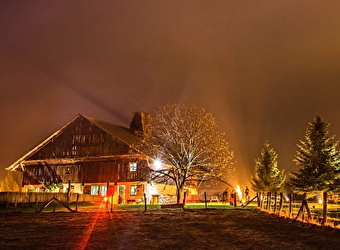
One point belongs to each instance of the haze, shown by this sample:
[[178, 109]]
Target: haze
[[262, 68]]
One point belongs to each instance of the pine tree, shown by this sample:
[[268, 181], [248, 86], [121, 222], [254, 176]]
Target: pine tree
[[268, 178], [317, 160]]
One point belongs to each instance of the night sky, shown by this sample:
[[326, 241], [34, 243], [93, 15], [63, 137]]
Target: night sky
[[264, 69]]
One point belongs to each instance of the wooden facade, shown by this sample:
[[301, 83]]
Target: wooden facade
[[89, 156]]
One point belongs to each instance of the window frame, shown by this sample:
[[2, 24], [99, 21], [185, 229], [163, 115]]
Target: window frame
[[133, 190], [133, 166]]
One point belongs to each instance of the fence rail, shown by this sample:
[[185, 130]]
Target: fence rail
[[30, 198]]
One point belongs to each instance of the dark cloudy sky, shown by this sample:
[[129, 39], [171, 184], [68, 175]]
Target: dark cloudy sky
[[262, 68]]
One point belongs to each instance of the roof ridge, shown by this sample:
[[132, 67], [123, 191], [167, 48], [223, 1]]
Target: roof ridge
[[123, 134], [16, 164]]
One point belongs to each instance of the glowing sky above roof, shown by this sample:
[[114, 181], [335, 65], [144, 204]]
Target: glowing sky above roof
[[263, 68]]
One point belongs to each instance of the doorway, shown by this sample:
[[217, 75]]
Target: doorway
[[121, 194]]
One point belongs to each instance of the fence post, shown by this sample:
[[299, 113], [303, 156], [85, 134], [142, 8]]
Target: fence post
[[54, 203], [205, 200], [77, 202], [111, 202], [145, 206], [281, 203], [290, 204], [68, 192], [36, 202], [107, 191]]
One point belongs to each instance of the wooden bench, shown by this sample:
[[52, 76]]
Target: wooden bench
[[214, 199], [169, 206]]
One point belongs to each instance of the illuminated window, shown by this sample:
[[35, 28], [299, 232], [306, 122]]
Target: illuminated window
[[74, 150], [73, 139], [133, 190], [68, 170], [133, 166], [98, 190]]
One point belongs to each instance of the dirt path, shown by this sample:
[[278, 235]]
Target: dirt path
[[195, 229]]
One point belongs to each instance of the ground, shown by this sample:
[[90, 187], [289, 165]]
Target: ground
[[99, 228]]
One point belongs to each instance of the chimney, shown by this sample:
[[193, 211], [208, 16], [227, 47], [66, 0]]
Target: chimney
[[140, 123]]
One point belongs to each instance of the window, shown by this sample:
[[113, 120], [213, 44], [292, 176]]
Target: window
[[133, 166], [68, 170], [74, 139], [74, 150], [133, 190], [98, 190]]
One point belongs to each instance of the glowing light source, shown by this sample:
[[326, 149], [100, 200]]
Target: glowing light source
[[157, 163], [239, 192], [152, 189]]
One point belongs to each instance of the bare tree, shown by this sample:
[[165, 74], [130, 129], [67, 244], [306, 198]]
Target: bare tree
[[187, 141]]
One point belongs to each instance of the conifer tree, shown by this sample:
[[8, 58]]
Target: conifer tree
[[318, 162], [268, 178]]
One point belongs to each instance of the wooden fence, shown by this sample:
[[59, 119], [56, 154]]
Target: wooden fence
[[31, 198], [295, 206]]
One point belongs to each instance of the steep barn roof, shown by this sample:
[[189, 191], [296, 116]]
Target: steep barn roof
[[121, 133]]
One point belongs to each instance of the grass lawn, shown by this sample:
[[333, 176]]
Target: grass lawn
[[96, 227]]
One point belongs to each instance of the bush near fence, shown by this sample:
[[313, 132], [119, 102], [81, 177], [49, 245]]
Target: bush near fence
[[7, 198]]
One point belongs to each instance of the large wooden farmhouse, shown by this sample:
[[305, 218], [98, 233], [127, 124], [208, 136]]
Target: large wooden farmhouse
[[93, 157]]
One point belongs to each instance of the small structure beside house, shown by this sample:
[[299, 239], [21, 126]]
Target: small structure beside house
[[90, 156]]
